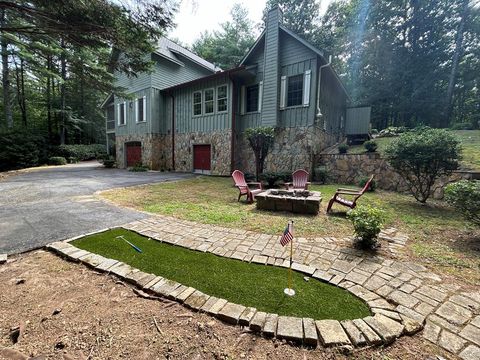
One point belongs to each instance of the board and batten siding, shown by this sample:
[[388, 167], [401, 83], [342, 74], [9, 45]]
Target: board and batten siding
[[186, 122], [131, 126]]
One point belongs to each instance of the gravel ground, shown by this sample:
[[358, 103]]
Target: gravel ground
[[67, 311]]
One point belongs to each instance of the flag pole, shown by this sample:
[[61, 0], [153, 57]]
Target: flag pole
[[289, 291]]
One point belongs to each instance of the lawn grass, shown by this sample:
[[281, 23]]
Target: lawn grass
[[470, 140], [213, 200], [240, 282]]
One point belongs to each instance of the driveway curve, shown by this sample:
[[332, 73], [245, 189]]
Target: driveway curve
[[44, 205]]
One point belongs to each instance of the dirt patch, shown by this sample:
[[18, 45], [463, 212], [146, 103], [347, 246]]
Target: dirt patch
[[71, 312]]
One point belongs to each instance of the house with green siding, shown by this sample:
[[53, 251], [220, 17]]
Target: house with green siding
[[187, 115]]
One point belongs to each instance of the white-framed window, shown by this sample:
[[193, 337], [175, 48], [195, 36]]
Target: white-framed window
[[121, 113], [252, 97], [295, 90], [222, 98], [209, 100], [197, 103], [141, 109]]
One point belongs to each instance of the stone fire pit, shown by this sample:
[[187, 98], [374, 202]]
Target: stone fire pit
[[296, 201]]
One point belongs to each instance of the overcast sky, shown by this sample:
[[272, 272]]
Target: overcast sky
[[196, 16]]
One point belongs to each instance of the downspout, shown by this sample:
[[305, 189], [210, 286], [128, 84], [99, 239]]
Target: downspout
[[319, 112], [234, 110], [173, 131]]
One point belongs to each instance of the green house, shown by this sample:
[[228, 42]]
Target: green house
[[190, 116]]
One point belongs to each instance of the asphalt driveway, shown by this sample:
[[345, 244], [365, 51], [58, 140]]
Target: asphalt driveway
[[45, 205]]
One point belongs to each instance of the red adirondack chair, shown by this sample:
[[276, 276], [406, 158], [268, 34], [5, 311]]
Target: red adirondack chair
[[243, 186], [356, 193], [299, 181]]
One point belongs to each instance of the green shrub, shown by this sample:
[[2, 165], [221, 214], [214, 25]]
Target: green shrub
[[464, 195], [57, 160], [367, 223], [422, 156], [109, 162], [20, 149], [370, 145], [363, 181], [81, 152], [392, 131], [249, 177], [272, 178], [462, 126], [343, 148], [320, 174], [139, 167]]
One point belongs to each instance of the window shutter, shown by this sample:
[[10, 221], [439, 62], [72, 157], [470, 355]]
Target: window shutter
[[260, 96], [283, 90], [306, 87], [118, 114], [242, 100], [136, 111], [144, 108]]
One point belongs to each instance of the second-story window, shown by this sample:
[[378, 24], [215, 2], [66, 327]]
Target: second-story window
[[251, 98], [222, 98], [141, 110], [209, 100], [295, 90], [197, 103], [121, 114]]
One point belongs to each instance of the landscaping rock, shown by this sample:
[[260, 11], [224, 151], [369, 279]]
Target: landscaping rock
[[258, 320], [471, 333], [303, 268], [385, 327], [371, 336], [208, 304], [412, 314], [175, 293], [120, 269], [290, 328], [402, 298], [331, 333], [92, 260], [471, 352], [310, 336], [411, 326], [247, 316], [107, 264], [454, 313], [185, 294], [270, 325], [391, 314], [217, 306], [354, 334], [3, 258], [166, 287], [196, 300], [451, 342], [231, 312]]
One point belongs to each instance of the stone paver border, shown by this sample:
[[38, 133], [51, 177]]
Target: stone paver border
[[403, 296]]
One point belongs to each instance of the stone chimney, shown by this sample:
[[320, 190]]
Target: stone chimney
[[271, 74]]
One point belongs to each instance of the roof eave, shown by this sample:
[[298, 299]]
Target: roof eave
[[254, 46]]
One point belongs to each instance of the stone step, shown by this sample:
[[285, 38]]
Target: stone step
[[331, 333]]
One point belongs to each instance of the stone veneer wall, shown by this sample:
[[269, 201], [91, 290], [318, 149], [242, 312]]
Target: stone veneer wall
[[349, 168], [220, 142], [156, 150], [294, 148]]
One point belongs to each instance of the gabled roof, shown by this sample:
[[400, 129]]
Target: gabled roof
[[254, 46], [170, 50], [106, 101]]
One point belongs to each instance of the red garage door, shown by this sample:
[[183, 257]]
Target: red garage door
[[134, 153], [201, 158]]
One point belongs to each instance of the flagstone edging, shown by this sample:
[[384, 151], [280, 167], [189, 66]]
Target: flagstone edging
[[387, 324]]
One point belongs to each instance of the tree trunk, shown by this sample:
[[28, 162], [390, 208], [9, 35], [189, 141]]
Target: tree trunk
[[456, 59], [63, 64], [7, 106], [19, 76], [49, 100]]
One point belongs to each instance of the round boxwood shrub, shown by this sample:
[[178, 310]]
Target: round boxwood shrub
[[343, 148], [367, 224], [57, 160], [370, 145], [363, 181], [464, 196]]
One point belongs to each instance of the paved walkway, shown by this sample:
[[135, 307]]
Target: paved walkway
[[391, 288]]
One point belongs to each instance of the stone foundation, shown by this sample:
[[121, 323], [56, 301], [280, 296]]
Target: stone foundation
[[220, 142], [293, 148], [156, 150], [350, 168]]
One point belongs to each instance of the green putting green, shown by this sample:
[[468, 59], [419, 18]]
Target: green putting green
[[240, 282]]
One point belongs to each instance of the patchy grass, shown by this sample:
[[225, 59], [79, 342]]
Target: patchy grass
[[213, 200], [240, 282], [470, 140]]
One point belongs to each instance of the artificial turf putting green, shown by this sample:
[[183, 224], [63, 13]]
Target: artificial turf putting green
[[240, 282]]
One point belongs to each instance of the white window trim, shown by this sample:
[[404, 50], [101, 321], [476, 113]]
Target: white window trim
[[204, 103], [284, 87], [283, 92], [124, 113], [245, 98], [306, 87], [144, 105], [260, 96], [226, 98], [194, 103]]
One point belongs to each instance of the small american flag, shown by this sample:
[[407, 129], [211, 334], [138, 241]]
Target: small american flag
[[287, 235]]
